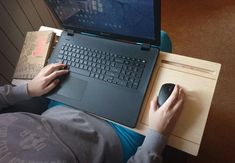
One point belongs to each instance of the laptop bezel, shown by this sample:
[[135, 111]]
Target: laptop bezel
[[157, 22]]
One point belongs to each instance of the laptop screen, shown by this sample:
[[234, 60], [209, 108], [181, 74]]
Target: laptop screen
[[131, 20]]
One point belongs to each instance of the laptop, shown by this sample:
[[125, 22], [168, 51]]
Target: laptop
[[110, 47]]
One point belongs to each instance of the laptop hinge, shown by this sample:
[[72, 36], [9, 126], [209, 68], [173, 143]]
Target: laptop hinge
[[70, 32], [145, 47]]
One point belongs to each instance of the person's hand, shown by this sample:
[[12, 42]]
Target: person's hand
[[163, 119], [46, 80]]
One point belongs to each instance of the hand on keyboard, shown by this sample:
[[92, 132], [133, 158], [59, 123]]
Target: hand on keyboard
[[46, 80]]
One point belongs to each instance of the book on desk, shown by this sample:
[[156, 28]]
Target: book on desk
[[198, 79]]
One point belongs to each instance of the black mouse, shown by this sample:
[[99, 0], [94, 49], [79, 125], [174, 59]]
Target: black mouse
[[164, 93]]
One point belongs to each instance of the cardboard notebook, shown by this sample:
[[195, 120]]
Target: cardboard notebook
[[35, 51]]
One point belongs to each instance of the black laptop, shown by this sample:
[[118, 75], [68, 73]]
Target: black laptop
[[110, 47]]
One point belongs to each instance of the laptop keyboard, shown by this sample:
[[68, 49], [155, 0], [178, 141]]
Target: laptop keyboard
[[101, 65]]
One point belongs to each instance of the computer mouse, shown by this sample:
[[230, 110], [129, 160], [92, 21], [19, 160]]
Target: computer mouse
[[164, 93]]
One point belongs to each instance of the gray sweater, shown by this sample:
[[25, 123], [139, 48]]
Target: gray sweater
[[64, 135]]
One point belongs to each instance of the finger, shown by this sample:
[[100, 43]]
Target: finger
[[172, 98], [55, 74], [53, 67], [51, 86], [48, 66], [182, 93], [46, 69], [43, 70], [153, 104], [178, 107], [152, 107], [179, 103]]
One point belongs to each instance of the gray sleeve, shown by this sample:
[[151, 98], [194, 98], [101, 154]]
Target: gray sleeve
[[9, 95], [151, 149]]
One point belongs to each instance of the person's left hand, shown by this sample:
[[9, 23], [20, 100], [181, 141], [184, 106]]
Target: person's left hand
[[46, 80]]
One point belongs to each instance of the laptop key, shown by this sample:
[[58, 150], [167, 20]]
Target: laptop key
[[108, 78], [97, 76], [129, 84], [92, 75], [60, 56], [101, 77], [115, 69], [69, 63], [112, 74], [59, 61], [118, 65], [122, 83], [135, 85], [119, 60], [61, 51], [80, 71]]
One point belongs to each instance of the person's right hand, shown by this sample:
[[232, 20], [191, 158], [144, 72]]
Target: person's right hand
[[46, 80], [163, 119]]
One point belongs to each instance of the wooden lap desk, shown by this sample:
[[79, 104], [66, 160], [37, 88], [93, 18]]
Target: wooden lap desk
[[198, 79]]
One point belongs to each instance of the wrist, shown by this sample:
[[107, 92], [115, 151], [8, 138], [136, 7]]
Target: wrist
[[21, 93], [154, 141], [29, 90]]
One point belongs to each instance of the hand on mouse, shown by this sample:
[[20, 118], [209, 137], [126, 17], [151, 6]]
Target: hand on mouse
[[46, 80], [163, 119]]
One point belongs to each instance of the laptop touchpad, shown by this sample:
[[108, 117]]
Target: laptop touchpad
[[73, 88]]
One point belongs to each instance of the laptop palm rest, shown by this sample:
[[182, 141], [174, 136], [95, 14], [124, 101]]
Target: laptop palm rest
[[73, 88]]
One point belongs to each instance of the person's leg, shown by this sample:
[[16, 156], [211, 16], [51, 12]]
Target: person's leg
[[129, 140], [166, 44], [53, 103]]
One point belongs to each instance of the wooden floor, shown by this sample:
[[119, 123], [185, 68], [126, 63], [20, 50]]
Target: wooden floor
[[206, 30]]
